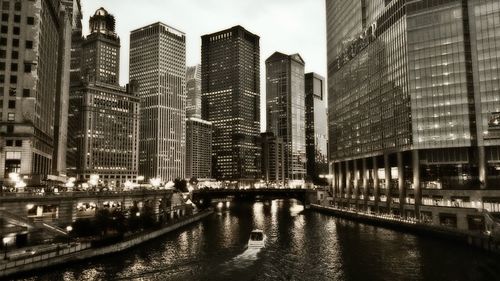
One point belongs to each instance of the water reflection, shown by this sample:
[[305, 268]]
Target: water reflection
[[301, 245]]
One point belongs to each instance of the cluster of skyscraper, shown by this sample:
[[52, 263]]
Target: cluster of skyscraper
[[74, 119], [414, 107]]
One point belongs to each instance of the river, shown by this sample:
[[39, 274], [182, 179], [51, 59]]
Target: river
[[301, 245]]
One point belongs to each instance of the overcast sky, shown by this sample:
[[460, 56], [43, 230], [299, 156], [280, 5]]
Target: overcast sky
[[289, 26]]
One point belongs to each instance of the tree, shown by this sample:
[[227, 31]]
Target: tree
[[180, 185]]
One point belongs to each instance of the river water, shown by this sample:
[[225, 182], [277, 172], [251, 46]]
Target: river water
[[301, 245]]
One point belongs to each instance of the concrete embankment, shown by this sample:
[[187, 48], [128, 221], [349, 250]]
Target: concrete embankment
[[473, 239], [86, 252]]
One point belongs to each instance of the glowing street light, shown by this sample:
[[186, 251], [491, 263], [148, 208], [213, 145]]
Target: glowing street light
[[155, 182], [94, 180]]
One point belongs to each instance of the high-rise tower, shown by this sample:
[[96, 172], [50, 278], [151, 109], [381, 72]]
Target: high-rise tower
[[32, 84], [413, 106], [231, 101], [285, 97], [103, 117], [158, 63]]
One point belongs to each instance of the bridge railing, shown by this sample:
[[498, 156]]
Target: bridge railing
[[77, 194]]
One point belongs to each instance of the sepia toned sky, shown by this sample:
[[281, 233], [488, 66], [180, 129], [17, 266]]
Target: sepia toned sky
[[289, 26]]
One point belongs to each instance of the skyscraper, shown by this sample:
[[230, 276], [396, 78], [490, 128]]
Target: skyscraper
[[31, 39], [286, 111], [316, 128], [198, 149], [103, 117], [273, 160], [193, 88], [413, 106], [230, 100], [158, 63]]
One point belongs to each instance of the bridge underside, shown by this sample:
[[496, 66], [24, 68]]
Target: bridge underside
[[203, 199]]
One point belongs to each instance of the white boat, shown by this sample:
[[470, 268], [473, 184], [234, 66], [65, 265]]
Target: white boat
[[257, 239]]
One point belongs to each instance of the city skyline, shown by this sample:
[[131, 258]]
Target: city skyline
[[297, 19]]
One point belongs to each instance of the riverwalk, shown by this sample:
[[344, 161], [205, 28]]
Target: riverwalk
[[81, 251], [474, 239]]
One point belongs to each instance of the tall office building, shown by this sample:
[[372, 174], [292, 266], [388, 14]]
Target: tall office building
[[316, 129], [101, 50], [158, 63], [198, 149], [285, 95], [231, 101], [273, 160], [193, 88], [413, 106], [32, 87], [103, 117]]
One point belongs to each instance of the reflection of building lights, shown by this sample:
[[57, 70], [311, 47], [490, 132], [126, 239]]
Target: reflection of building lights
[[140, 178], [220, 205], [137, 214], [30, 206], [69, 228], [228, 204]]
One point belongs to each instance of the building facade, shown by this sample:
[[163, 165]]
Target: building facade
[[286, 112], [316, 129], [198, 149], [103, 117], [32, 80], [231, 101], [413, 107], [193, 89], [158, 63], [273, 160]]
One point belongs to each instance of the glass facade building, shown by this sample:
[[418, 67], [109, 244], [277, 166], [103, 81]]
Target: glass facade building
[[231, 101], [316, 129], [285, 98], [193, 88], [413, 104]]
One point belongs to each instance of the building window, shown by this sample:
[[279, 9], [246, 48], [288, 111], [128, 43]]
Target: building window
[[4, 29], [10, 129], [13, 67], [15, 55], [5, 17], [5, 5], [2, 78], [16, 30], [27, 68], [12, 92], [17, 18], [30, 20], [11, 116], [15, 42], [2, 65], [12, 104], [2, 54], [29, 44], [13, 79], [3, 41], [9, 143], [17, 6], [26, 93], [19, 143]]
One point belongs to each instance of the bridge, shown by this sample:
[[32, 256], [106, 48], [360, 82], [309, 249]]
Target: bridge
[[203, 197]]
